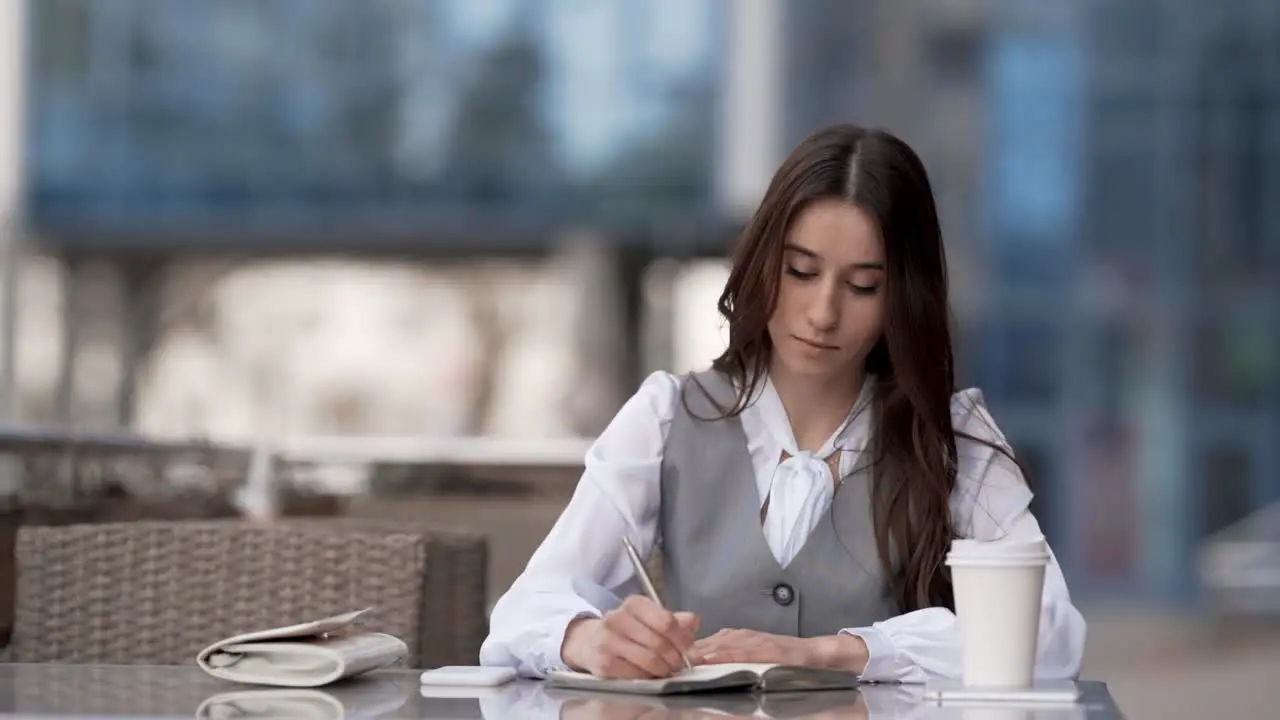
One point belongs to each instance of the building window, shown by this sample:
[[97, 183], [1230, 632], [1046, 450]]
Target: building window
[[955, 55], [1236, 354], [1224, 482], [1108, 522], [1021, 359], [1036, 462]]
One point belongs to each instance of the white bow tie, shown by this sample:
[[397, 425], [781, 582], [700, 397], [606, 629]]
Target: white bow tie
[[802, 486], [799, 495]]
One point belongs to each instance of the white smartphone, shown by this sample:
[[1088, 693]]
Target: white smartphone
[[468, 676]]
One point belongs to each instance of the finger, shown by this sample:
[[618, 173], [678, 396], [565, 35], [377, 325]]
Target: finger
[[720, 637], [635, 631], [614, 664], [731, 646], [652, 662], [706, 643], [715, 654], [627, 625], [719, 634], [704, 650], [728, 655], [689, 621], [660, 620], [745, 652]]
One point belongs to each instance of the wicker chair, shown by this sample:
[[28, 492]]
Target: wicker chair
[[157, 592], [67, 478]]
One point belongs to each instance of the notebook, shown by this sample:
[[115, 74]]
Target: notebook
[[309, 654], [761, 677]]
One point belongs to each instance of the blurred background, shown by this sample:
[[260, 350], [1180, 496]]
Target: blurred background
[[424, 249]]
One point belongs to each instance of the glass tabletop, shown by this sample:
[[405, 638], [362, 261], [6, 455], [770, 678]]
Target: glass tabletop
[[116, 691]]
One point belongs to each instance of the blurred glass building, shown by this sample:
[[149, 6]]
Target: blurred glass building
[[1104, 172], [329, 124], [1104, 169]]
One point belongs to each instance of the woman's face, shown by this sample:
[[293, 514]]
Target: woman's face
[[830, 307]]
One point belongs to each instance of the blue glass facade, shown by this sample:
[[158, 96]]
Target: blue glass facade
[[1033, 86], [1139, 288], [381, 116], [1127, 327]]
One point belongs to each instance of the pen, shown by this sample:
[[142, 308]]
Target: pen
[[647, 583]]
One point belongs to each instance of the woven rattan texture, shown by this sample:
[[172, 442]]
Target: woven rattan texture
[[158, 592], [454, 601]]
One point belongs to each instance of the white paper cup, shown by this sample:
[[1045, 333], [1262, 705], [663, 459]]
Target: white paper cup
[[998, 587]]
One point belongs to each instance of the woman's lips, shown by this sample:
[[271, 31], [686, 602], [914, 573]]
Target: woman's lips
[[816, 345]]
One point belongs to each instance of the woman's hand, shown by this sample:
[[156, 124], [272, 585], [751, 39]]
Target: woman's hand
[[638, 640], [845, 652], [751, 646]]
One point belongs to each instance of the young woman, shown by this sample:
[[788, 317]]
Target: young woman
[[805, 489]]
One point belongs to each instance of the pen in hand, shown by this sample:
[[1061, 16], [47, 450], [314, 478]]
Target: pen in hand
[[649, 589]]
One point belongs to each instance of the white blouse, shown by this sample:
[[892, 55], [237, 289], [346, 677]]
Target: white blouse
[[581, 569]]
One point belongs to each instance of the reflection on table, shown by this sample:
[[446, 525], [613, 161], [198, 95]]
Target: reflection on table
[[35, 690]]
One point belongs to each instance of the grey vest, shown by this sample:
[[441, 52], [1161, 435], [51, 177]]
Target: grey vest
[[715, 560]]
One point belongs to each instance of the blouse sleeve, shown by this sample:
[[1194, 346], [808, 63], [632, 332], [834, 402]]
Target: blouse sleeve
[[991, 502], [580, 569]]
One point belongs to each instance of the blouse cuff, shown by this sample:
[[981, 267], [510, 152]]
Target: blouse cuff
[[546, 650], [879, 654]]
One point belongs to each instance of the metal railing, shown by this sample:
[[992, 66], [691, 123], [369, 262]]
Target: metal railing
[[1239, 566], [62, 468]]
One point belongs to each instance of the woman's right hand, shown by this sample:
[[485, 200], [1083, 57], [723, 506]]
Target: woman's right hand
[[638, 640]]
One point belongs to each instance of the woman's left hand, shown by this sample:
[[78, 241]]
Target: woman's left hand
[[751, 646]]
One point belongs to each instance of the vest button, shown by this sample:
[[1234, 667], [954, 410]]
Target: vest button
[[783, 594]]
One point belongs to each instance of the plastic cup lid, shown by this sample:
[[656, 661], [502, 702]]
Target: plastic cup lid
[[998, 560], [998, 553], [998, 548]]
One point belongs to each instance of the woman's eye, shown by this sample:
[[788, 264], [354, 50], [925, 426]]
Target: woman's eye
[[864, 289], [793, 272]]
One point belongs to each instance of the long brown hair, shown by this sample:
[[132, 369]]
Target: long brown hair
[[913, 453]]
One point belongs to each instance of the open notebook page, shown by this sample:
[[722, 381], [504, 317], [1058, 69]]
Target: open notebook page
[[697, 673], [716, 670], [744, 674]]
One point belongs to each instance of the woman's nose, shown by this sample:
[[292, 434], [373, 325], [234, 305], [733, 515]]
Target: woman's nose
[[824, 308]]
